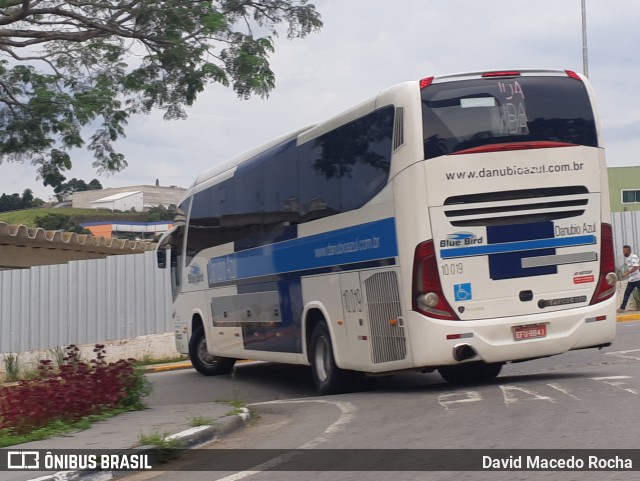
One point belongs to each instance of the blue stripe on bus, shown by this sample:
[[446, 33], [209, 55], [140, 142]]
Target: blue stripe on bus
[[352, 245], [517, 246]]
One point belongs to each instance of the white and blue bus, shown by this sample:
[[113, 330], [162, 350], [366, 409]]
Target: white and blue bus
[[456, 223]]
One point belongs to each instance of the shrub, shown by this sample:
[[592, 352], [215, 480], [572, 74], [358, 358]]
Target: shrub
[[72, 391]]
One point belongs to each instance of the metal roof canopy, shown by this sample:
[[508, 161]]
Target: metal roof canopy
[[121, 195], [23, 247]]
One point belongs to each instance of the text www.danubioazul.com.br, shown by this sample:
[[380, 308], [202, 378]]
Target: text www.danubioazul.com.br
[[485, 173]]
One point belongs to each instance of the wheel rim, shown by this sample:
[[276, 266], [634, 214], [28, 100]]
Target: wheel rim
[[204, 355], [321, 359]]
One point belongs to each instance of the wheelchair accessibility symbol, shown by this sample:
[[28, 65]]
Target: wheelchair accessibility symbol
[[462, 292]]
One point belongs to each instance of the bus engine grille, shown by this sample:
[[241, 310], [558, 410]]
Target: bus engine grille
[[385, 323]]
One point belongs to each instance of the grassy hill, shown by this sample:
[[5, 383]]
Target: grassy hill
[[77, 216]]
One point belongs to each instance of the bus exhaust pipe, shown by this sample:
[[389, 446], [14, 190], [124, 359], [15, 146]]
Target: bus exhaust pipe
[[462, 352]]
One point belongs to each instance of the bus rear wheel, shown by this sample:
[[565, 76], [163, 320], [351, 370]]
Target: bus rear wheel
[[203, 362], [470, 373], [327, 376]]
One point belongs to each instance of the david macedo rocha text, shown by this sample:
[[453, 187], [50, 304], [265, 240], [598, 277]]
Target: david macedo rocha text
[[569, 463]]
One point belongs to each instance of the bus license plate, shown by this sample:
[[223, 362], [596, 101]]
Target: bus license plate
[[532, 331]]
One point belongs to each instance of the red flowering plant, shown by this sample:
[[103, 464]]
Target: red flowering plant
[[72, 391]]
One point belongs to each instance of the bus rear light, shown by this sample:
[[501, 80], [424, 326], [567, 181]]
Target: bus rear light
[[533, 144], [606, 286], [507, 73], [425, 82], [428, 298], [573, 75]]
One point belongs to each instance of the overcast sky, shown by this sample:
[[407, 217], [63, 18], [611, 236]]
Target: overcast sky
[[368, 45]]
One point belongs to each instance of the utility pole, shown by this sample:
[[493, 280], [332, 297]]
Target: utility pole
[[585, 52]]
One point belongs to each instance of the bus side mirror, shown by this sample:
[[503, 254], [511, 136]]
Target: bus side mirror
[[162, 258]]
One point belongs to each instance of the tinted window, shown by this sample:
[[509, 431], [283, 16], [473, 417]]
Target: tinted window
[[472, 113], [285, 185], [281, 172], [209, 215], [249, 186], [176, 242], [345, 168]]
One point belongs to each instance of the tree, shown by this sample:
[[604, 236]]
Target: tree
[[57, 221], [10, 202], [17, 202], [27, 198], [52, 221], [75, 185], [65, 65], [160, 212]]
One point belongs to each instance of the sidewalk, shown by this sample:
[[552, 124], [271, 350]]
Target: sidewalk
[[122, 432]]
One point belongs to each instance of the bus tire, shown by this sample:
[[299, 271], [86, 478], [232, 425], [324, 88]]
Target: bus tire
[[203, 362], [327, 376], [470, 373]]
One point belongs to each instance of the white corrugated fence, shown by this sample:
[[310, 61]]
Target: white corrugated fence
[[83, 302]]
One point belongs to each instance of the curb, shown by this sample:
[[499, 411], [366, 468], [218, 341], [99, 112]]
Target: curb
[[174, 366], [191, 438], [168, 367], [628, 317]]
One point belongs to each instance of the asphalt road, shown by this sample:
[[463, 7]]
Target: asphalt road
[[583, 400]]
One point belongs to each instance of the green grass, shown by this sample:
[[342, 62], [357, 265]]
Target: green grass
[[159, 440], [165, 449], [55, 428], [148, 360], [202, 421], [28, 216], [238, 404], [12, 367]]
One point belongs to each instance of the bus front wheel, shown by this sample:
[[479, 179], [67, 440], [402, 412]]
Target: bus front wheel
[[327, 376], [470, 373], [206, 363]]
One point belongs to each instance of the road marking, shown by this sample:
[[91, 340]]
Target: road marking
[[558, 387], [469, 397], [615, 382], [625, 354], [510, 395], [347, 411]]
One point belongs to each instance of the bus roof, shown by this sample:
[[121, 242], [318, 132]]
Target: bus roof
[[501, 73]]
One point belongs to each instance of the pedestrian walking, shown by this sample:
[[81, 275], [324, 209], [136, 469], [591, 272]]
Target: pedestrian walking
[[633, 274]]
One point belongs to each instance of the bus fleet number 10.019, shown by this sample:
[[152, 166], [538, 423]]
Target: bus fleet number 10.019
[[453, 269]]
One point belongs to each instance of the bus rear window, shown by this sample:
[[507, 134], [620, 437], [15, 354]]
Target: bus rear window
[[467, 114]]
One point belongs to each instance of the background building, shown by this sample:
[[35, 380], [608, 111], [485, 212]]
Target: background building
[[123, 201], [128, 230], [141, 197], [624, 188]]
